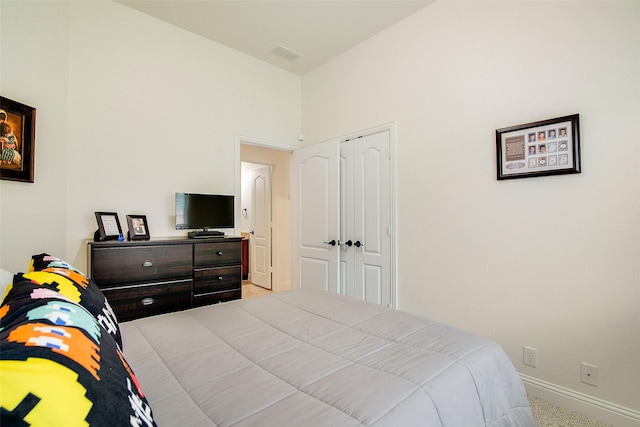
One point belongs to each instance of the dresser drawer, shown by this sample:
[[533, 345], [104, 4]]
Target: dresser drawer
[[217, 253], [131, 302], [208, 280], [145, 278], [200, 300], [127, 264]]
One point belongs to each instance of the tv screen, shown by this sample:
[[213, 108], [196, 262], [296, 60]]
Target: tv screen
[[204, 211]]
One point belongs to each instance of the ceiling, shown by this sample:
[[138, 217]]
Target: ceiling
[[316, 30]]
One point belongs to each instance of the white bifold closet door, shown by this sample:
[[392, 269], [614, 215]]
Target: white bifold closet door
[[365, 232], [316, 216], [343, 213]]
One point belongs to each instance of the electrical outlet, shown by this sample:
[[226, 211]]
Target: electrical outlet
[[530, 356], [589, 374]]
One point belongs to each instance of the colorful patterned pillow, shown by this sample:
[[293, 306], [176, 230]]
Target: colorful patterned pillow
[[58, 366], [56, 274]]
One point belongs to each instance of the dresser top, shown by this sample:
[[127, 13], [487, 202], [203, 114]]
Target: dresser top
[[172, 240]]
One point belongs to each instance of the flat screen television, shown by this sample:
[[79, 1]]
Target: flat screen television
[[204, 212]]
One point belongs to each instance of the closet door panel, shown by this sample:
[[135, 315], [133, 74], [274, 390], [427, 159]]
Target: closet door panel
[[316, 216], [372, 218]]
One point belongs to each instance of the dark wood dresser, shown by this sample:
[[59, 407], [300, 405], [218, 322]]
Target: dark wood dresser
[[144, 278]]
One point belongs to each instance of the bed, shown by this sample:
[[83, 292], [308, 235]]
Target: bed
[[296, 358]]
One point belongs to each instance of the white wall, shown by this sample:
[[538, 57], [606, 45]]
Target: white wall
[[130, 110], [552, 262], [34, 71]]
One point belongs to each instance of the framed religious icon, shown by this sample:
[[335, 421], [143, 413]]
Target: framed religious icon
[[547, 147], [17, 139], [138, 228]]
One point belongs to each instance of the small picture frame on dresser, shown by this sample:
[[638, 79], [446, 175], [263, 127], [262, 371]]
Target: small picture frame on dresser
[[108, 227], [138, 227]]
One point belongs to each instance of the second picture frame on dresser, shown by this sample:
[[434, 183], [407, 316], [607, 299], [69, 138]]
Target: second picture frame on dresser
[[138, 227]]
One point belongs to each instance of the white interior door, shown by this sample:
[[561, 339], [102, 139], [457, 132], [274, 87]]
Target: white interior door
[[260, 240], [372, 228], [316, 182]]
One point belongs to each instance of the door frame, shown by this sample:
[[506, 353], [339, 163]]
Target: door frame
[[391, 126], [391, 129], [276, 283]]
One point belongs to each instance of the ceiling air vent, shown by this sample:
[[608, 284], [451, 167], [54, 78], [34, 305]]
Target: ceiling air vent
[[286, 53]]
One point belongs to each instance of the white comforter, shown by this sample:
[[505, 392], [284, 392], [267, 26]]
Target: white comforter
[[304, 358]]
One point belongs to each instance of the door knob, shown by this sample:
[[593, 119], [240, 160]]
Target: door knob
[[332, 243], [357, 244]]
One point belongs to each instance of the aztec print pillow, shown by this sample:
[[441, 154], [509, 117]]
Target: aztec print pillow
[[54, 273], [59, 367], [23, 291]]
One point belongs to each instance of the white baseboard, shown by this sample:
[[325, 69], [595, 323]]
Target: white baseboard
[[592, 407]]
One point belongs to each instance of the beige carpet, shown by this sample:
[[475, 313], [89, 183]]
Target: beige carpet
[[548, 415], [545, 414]]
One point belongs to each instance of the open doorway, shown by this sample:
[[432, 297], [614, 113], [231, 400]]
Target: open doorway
[[273, 181]]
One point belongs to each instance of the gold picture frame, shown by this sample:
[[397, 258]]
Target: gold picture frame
[[17, 141]]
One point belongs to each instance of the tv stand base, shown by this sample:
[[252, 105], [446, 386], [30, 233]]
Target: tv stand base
[[204, 234]]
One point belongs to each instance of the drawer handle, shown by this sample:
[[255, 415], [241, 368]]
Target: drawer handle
[[220, 278], [147, 264], [148, 301], [219, 253]]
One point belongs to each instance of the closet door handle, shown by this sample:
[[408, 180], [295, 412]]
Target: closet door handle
[[357, 244], [332, 242], [347, 243]]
